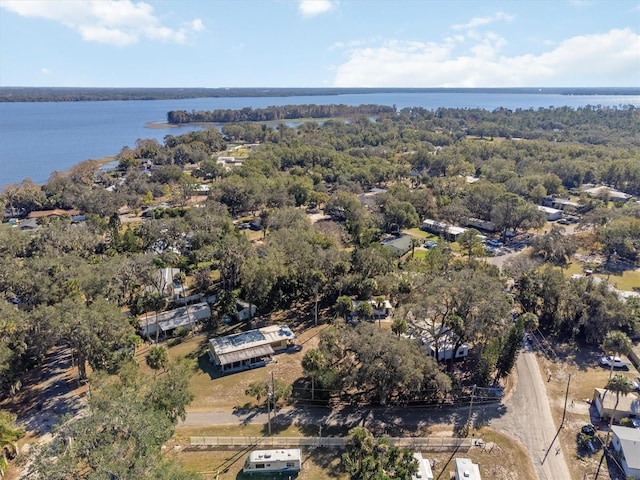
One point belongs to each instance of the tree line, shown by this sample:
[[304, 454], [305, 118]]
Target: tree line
[[274, 113]]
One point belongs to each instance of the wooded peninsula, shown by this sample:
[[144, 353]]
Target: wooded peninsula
[[464, 229]]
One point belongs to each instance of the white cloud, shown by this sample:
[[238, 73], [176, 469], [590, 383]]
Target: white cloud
[[607, 59], [197, 25], [311, 8], [45, 71], [111, 22], [480, 21]]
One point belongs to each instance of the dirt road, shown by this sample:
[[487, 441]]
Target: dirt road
[[528, 418]]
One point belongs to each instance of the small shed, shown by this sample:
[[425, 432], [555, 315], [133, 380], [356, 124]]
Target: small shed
[[626, 443]]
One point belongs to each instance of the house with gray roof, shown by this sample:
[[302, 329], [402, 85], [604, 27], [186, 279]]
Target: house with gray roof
[[626, 444], [398, 246]]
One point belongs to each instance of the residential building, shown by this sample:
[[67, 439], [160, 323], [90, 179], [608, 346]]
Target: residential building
[[187, 317], [605, 403], [384, 309], [398, 246], [608, 192], [251, 349], [449, 232], [551, 214], [561, 203], [626, 443]]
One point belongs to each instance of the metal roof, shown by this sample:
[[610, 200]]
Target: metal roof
[[630, 443], [246, 354], [245, 345]]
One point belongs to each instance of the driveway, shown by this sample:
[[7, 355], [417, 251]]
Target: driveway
[[528, 418]]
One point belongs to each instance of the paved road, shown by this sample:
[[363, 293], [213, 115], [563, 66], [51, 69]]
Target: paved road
[[528, 418]]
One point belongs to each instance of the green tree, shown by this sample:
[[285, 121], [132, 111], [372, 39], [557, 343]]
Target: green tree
[[368, 458], [122, 434], [616, 343], [10, 433], [313, 363], [399, 326], [530, 322], [344, 306], [157, 358], [510, 349], [471, 242], [364, 310], [618, 384]]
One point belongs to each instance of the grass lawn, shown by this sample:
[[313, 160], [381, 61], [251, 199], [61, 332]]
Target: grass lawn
[[627, 280], [417, 233]]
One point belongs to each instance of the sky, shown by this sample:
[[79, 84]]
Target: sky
[[320, 43]]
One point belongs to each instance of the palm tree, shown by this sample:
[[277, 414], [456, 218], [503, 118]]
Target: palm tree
[[616, 343], [399, 326], [157, 358], [344, 306], [619, 384], [9, 435], [313, 364]]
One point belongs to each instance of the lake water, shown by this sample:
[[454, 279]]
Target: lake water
[[39, 138]]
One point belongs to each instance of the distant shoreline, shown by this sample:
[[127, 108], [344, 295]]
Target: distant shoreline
[[80, 94]]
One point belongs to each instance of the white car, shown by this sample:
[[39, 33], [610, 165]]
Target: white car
[[617, 362]]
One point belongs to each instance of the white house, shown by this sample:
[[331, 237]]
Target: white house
[[187, 317], [382, 310], [442, 340], [626, 443], [467, 470], [424, 468], [551, 213]]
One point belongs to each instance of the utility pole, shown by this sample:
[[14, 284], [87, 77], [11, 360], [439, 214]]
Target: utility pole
[[566, 396], [473, 392], [269, 408], [273, 389]]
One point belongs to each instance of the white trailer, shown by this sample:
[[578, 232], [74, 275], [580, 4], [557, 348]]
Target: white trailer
[[268, 462]]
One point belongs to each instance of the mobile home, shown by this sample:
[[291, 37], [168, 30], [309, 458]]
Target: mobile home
[[269, 462]]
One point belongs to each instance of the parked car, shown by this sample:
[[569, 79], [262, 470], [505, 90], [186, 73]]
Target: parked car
[[635, 385], [430, 244], [564, 221], [495, 243], [588, 430], [616, 361]]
